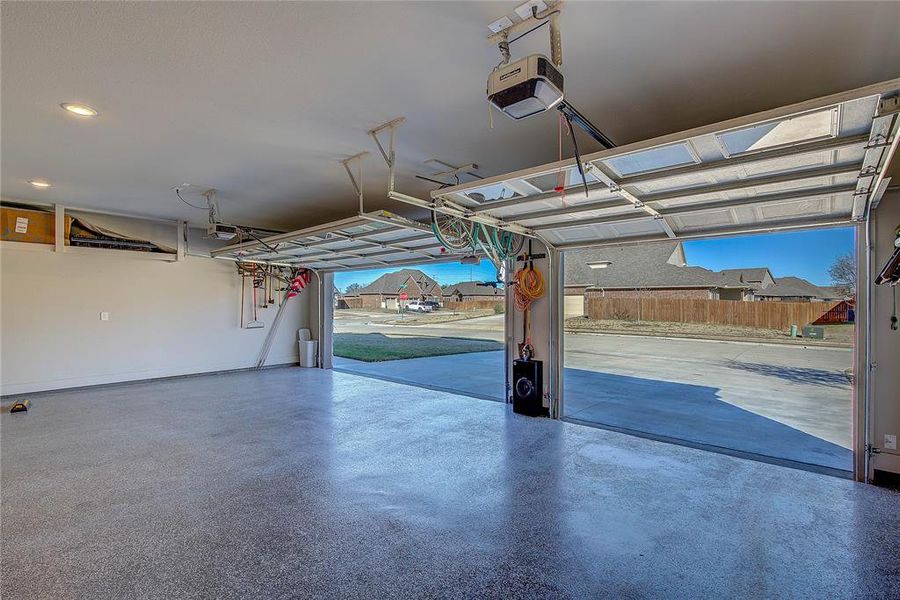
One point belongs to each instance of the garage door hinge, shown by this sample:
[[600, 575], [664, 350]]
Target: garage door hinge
[[887, 106]]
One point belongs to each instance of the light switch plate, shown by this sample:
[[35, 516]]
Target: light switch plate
[[104, 316], [890, 442]]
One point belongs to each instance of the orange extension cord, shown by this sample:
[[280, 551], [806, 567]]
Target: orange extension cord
[[528, 288]]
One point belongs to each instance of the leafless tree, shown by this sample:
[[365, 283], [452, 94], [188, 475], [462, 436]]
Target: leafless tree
[[843, 273]]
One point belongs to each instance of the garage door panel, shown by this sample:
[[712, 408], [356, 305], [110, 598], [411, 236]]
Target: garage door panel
[[373, 240], [783, 168], [812, 207], [691, 222]]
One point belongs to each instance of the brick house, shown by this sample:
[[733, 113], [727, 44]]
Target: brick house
[[795, 289], [657, 270], [767, 288], [385, 291], [470, 291]]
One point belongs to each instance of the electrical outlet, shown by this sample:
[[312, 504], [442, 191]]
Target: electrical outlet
[[890, 442], [104, 316]]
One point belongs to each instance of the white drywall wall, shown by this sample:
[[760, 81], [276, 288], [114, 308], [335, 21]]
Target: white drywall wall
[[885, 341], [164, 318]]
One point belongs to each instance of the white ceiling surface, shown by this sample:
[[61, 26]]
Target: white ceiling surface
[[261, 100]]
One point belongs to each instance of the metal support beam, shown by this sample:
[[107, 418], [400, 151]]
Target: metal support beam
[[357, 180], [387, 153], [600, 172], [785, 225], [701, 208]]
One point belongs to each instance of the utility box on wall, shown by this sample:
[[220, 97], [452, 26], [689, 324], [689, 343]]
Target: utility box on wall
[[813, 333]]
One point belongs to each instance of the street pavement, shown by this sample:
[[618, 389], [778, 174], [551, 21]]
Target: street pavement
[[784, 401]]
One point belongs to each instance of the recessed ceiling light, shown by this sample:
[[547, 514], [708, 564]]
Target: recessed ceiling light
[[39, 183], [82, 110]]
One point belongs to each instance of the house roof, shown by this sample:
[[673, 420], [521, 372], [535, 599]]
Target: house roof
[[471, 288], [391, 283], [752, 276], [837, 292], [640, 266], [793, 287]]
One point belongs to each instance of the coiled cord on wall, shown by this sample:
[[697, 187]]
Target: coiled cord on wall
[[529, 286]]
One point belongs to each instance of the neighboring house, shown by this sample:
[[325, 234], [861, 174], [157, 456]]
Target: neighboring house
[[837, 292], [470, 290], [385, 291], [795, 289], [758, 278], [654, 269], [784, 289]]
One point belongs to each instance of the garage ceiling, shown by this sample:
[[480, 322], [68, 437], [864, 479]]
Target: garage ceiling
[[261, 100], [815, 163]]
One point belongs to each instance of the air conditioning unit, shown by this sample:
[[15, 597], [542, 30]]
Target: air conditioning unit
[[221, 231], [526, 87]]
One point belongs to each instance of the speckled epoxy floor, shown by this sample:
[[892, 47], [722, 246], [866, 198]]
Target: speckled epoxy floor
[[304, 483]]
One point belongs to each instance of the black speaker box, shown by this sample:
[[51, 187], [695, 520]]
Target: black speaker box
[[528, 387]]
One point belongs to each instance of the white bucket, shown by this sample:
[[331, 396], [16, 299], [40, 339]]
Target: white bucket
[[308, 353]]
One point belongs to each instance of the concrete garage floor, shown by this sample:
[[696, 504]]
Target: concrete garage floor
[[308, 483], [783, 402]]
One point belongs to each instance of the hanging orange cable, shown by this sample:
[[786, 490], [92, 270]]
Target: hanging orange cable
[[529, 287]]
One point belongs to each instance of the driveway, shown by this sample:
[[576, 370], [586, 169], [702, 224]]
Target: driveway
[[782, 401]]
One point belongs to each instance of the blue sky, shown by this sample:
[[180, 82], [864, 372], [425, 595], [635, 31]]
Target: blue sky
[[806, 254]]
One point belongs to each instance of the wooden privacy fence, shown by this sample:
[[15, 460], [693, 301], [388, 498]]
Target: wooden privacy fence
[[766, 315], [472, 304]]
